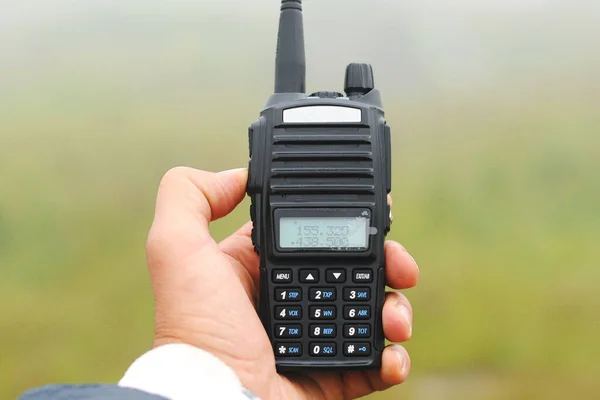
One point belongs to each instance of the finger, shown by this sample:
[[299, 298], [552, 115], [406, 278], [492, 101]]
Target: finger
[[397, 318], [390, 201], [402, 271], [395, 365], [186, 194], [188, 200], [239, 247]]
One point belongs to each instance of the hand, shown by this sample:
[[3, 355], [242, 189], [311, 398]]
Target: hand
[[205, 292]]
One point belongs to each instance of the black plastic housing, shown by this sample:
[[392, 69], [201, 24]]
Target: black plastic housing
[[314, 166]]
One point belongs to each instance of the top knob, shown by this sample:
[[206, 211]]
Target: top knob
[[359, 79]]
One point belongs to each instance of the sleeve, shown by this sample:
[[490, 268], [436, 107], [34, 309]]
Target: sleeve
[[183, 372], [87, 392]]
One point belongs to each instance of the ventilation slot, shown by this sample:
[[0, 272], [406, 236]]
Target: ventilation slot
[[318, 162]]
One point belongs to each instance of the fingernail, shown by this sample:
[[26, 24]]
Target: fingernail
[[232, 171], [403, 360], [407, 316]]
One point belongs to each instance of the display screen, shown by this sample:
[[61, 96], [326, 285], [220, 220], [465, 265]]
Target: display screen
[[324, 233]]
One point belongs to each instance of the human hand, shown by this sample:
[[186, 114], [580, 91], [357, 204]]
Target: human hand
[[205, 292]]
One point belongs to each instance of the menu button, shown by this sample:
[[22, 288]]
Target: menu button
[[282, 276]]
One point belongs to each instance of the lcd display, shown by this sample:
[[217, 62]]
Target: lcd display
[[324, 233]]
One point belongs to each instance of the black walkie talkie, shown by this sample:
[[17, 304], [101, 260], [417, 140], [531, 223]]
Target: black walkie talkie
[[319, 175]]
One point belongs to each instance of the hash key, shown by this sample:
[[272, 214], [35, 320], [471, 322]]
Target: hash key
[[357, 349]]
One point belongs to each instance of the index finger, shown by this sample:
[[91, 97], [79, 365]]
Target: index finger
[[402, 271]]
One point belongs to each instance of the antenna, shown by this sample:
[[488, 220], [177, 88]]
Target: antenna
[[290, 62]]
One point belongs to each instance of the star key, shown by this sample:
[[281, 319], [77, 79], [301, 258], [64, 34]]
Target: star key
[[288, 349]]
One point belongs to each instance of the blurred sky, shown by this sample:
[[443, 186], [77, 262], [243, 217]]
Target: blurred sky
[[417, 46]]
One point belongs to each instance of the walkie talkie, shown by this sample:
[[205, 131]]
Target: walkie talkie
[[319, 175]]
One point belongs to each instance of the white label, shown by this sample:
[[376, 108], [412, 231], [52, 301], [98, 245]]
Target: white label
[[321, 114]]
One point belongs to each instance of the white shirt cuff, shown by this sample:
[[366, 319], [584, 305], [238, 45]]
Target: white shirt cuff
[[183, 372]]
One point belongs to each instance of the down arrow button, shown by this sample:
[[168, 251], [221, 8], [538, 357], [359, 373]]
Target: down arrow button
[[336, 276]]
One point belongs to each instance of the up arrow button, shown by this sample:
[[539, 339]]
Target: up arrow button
[[309, 276]]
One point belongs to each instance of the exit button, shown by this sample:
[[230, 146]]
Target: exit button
[[362, 276]]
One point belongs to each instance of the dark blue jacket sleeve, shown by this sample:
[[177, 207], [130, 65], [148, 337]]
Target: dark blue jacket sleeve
[[87, 392]]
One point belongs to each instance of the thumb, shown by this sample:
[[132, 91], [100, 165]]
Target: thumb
[[188, 200]]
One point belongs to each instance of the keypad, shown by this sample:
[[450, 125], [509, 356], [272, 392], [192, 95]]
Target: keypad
[[322, 294], [329, 308]]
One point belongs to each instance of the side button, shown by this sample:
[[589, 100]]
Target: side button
[[388, 158], [388, 219], [250, 141]]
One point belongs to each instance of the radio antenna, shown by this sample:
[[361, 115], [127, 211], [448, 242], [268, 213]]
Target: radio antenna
[[290, 61]]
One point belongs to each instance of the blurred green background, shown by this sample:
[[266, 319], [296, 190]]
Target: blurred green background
[[495, 109]]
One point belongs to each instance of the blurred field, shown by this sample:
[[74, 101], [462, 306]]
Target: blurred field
[[496, 120]]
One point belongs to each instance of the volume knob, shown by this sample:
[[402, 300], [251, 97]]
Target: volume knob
[[359, 79]]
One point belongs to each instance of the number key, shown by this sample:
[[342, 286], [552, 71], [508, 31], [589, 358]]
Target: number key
[[325, 312], [325, 294], [323, 349], [292, 294], [288, 331], [357, 294], [358, 312], [361, 331], [317, 331], [288, 313]]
